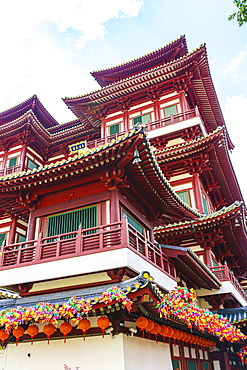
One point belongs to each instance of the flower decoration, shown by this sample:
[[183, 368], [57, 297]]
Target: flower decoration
[[242, 353], [74, 309], [180, 303]]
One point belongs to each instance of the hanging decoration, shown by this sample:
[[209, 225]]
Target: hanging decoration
[[3, 336], [49, 329], [142, 323], [242, 353], [156, 330], [103, 322], [180, 303], [74, 309], [32, 330], [84, 325], [18, 333], [65, 328]]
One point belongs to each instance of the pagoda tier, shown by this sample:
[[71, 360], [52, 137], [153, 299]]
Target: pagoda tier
[[164, 55], [207, 156], [189, 74]]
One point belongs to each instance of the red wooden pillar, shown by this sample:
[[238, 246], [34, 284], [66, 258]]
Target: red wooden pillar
[[23, 156], [103, 128], [197, 192], [12, 231], [225, 362], [31, 227], [125, 120], [156, 110], [4, 163], [183, 102], [207, 257], [114, 205]]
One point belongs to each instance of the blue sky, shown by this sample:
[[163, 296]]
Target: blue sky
[[48, 48]]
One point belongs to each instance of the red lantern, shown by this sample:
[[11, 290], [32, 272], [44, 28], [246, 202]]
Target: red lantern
[[142, 323], [3, 336], [17, 333], [156, 330], [65, 329], [84, 325], [164, 331], [170, 333], [32, 330], [49, 329], [103, 322]]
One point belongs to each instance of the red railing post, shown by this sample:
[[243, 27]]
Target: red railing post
[[38, 251], [78, 243], [124, 231]]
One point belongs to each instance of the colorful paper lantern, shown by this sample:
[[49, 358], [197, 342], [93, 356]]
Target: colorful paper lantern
[[49, 329], [32, 330], [65, 328], [156, 330], [164, 331], [84, 325], [142, 323], [103, 322], [17, 333], [3, 336]]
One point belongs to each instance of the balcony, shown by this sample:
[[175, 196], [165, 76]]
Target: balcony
[[153, 128], [83, 242], [224, 274], [9, 170]]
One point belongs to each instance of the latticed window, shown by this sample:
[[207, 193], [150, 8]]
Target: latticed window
[[13, 161], [134, 223], [144, 119], [114, 129], [184, 195], [69, 221], [171, 110], [2, 238], [31, 164], [205, 206]]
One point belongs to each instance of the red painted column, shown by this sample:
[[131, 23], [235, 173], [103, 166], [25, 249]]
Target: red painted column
[[207, 257], [11, 238], [114, 205], [156, 110], [225, 363], [183, 102], [197, 192], [23, 156], [103, 128], [4, 163], [126, 120], [31, 227]]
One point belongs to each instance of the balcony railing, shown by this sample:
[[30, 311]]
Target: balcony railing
[[13, 169], [85, 241], [150, 126], [224, 274]]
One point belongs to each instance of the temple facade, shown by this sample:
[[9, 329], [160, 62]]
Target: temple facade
[[103, 217]]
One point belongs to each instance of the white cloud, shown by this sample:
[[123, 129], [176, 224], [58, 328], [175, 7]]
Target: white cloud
[[235, 62], [85, 16]]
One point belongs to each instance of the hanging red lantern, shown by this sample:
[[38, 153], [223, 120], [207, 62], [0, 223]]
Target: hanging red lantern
[[3, 336], [65, 328], [17, 333], [156, 330], [164, 330], [149, 327], [142, 323], [84, 325], [32, 330], [49, 329], [103, 322], [170, 333]]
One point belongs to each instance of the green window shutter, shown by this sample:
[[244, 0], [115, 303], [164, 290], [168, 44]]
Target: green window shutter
[[192, 365], [176, 365], [205, 365], [205, 206], [134, 223], [2, 238], [184, 195], [114, 129], [21, 238], [70, 221], [144, 119], [12, 161], [170, 111], [31, 165]]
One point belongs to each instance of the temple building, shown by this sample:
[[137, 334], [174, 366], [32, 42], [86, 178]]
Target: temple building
[[122, 230]]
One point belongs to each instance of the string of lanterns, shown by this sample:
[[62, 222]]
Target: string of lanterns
[[180, 303], [150, 327], [49, 329]]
